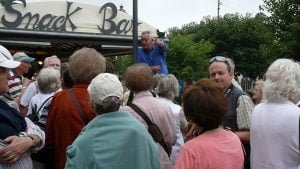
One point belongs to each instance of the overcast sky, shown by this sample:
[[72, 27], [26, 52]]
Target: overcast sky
[[164, 14]]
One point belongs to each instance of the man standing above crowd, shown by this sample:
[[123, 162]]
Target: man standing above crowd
[[240, 104], [153, 53]]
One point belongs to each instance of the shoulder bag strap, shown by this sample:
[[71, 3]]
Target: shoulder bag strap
[[78, 106], [43, 104], [149, 122], [141, 113]]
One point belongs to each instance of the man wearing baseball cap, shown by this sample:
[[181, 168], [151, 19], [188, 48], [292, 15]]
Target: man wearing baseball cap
[[17, 83], [18, 135], [7, 62]]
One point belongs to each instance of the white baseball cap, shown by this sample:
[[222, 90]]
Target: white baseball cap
[[6, 60], [105, 85]]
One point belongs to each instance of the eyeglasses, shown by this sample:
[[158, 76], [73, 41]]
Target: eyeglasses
[[218, 58]]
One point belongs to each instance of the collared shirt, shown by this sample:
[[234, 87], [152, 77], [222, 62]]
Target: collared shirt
[[36, 130], [244, 112], [15, 85], [161, 115], [157, 56]]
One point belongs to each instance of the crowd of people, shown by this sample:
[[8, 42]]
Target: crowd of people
[[74, 116]]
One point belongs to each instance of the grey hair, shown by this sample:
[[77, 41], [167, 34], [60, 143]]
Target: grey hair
[[146, 32], [282, 81], [48, 80], [109, 104], [231, 65], [156, 79], [46, 60], [259, 83], [168, 87]]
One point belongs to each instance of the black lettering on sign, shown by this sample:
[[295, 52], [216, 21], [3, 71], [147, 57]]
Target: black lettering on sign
[[50, 22], [47, 22]]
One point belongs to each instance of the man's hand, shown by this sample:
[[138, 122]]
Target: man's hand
[[26, 82], [159, 43], [16, 148], [155, 69]]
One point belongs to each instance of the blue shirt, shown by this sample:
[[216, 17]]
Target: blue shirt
[[157, 56]]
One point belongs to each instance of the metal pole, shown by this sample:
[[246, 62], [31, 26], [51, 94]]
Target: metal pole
[[219, 4], [218, 9], [135, 29]]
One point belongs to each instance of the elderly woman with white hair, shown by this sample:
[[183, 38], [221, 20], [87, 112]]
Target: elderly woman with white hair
[[275, 122], [167, 90], [113, 139], [48, 81]]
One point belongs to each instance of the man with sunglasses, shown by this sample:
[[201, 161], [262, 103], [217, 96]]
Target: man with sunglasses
[[240, 104]]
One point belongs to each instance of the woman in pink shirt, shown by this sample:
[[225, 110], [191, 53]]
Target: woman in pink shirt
[[212, 147]]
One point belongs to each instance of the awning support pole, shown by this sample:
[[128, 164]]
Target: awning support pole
[[135, 29]]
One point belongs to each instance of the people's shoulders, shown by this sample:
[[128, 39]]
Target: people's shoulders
[[175, 107], [288, 107], [41, 97], [60, 95], [118, 118]]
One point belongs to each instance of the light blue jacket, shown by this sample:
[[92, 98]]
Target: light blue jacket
[[113, 141]]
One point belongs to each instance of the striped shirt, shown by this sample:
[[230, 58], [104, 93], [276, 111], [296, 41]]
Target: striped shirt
[[24, 162], [15, 85]]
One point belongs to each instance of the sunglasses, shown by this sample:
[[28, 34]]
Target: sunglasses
[[218, 58]]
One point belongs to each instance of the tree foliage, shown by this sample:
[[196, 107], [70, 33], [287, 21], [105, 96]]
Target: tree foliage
[[285, 19], [120, 64], [186, 58], [244, 39]]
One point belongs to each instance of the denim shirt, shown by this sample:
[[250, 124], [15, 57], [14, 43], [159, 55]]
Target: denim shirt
[[157, 56]]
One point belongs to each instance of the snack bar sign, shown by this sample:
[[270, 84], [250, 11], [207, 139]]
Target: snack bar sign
[[74, 18]]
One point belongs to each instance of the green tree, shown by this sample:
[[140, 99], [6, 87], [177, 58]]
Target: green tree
[[186, 58], [120, 64], [285, 19], [244, 39]]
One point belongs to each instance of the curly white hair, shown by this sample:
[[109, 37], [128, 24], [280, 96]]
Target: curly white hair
[[282, 81]]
